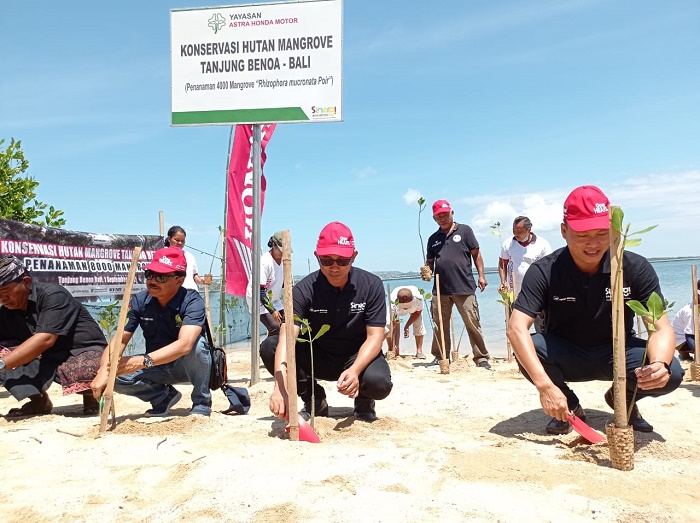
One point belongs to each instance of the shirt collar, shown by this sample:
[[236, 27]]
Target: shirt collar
[[174, 302]]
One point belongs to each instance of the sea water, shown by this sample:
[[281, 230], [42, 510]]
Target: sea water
[[674, 275]]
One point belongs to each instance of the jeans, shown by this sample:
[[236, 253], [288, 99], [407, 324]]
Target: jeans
[[152, 384], [375, 380], [565, 361]]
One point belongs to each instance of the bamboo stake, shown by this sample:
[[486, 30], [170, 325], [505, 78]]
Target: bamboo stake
[[442, 331], [618, 322], [115, 347], [391, 324], [509, 347], [694, 274], [162, 223], [455, 354], [290, 338], [207, 305]]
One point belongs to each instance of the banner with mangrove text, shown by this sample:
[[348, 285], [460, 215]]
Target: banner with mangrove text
[[92, 266]]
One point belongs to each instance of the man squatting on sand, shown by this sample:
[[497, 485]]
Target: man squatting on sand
[[572, 287], [352, 302], [171, 318], [48, 336]]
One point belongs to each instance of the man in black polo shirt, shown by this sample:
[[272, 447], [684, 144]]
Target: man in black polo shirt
[[572, 286], [352, 303], [171, 318], [450, 252], [47, 336]]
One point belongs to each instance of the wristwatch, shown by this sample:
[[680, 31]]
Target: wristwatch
[[2, 365], [148, 361]]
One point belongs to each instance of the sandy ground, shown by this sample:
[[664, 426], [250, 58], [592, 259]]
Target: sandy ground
[[465, 446]]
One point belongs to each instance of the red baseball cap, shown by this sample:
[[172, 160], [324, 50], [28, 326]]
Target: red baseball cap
[[441, 206], [586, 209], [169, 259], [336, 239]]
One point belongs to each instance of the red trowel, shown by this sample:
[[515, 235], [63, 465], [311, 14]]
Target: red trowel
[[306, 433], [580, 426]]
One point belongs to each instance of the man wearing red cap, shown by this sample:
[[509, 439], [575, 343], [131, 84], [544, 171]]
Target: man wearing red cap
[[451, 250], [572, 286], [351, 303], [171, 318]]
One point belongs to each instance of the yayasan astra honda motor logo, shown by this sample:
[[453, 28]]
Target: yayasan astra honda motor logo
[[216, 22]]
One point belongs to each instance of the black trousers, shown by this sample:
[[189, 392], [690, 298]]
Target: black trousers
[[565, 361], [375, 380]]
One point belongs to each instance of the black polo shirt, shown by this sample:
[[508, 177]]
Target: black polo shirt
[[348, 312], [577, 305], [51, 309], [453, 259], [161, 325]]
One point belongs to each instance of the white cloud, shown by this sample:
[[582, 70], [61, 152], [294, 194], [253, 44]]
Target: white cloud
[[365, 172], [671, 200], [411, 196]]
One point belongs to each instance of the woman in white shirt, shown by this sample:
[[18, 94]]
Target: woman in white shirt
[[176, 238]]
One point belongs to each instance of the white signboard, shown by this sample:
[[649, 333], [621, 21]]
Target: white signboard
[[257, 63]]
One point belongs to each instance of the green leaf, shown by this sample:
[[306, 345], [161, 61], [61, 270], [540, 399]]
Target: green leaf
[[638, 307], [302, 340], [421, 200], [617, 217], [304, 329], [324, 329], [655, 306], [501, 302], [633, 242], [644, 230], [427, 296]]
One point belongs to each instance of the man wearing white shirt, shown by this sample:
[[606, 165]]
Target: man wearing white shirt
[[517, 254], [684, 330], [269, 295], [406, 301]]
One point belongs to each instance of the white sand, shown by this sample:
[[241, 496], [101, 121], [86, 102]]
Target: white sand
[[465, 446]]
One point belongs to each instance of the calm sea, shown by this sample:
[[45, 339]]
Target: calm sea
[[675, 277]]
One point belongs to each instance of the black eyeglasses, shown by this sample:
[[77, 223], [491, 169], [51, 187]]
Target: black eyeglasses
[[327, 262], [160, 278]]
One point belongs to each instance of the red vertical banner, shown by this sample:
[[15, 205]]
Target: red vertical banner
[[239, 218]]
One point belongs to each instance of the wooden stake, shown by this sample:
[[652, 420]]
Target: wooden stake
[[207, 307], [115, 347], [694, 274], [391, 319], [509, 347], [442, 331], [291, 339], [618, 326], [162, 223]]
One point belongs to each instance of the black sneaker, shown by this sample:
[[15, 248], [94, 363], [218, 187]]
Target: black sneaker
[[161, 409], [436, 361], [564, 427], [321, 409], [484, 365], [364, 410], [638, 423]]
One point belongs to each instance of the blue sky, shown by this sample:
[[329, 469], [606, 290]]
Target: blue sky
[[500, 107]]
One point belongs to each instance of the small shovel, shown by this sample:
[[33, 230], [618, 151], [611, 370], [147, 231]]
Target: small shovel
[[306, 433], [584, 430]]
